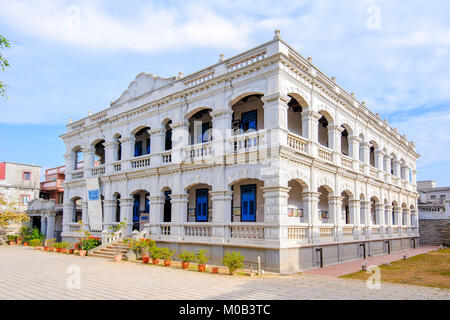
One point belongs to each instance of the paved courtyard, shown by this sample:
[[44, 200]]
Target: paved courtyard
[[29, 274]]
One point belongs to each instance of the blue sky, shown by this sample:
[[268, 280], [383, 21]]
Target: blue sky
[[68, 57]]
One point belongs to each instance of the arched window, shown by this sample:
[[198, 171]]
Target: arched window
[[344, 141], [323, 131]]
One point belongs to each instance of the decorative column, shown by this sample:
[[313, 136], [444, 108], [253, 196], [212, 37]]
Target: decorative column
[[275, 210], [127, 151], [387, 161], [334, 136], [156, 213], [179, 215], [110, 148], [221, 130], [353, 147], [70, 165], [388, 215], [126, 214], [310, 123], [365, 212], [379, 159], [157, 138], [84, 215], [180, 140], [67, 216], [335, 207], [50, 226], [310, 210], [109, 217], [89, 158], [397, 168], [221, 212], [275, 111], [354, 207]]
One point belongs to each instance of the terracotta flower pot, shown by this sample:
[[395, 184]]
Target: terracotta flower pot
[[37, 248], [25, 244], [63, 250], [82, 253], [58, 249], [201, 267], [155, 261], [185, 265], [11, 243], [145, 259], [117, 257], [215, 270], [70, 251], [45, 248], [18, 241], [167, 263]]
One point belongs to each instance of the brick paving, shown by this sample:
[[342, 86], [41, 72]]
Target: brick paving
[[354, 266], [29, 274]]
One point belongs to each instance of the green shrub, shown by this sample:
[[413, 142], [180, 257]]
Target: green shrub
[[156, 253], [141, 247], [57, 245], [35, 242], [233, 261], [90, 243], [200, 256], [187, 256], [167, 254], [12, 238]]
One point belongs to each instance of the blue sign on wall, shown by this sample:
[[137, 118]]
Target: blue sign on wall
[[94, 194]]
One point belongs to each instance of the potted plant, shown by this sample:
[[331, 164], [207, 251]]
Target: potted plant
[[167, 255], [215, 269], [202, 259], [144, 252], [89, 243], [50, 243], [36, 243], [57, 246], [11, 239], [18, 240], [186, 257], [156, 254], [233, 260]]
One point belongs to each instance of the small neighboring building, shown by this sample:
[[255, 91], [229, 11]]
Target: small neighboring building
[[434, 213], [46, 211], [19, 184]]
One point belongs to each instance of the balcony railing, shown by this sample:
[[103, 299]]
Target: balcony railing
[[296, 233], [325, 154], [198, 151], [297, 143], [117, 167], [248, 141], [346, 161], [325, 232], [77, 175], [246, 232], [98, 171], [141, 162], [198, 230], [167, 157]]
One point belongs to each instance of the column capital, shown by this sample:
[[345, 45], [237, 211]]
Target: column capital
[[310, 196], [178, 198], [354, 139], [311, 114], [278, 96], [221, 112], [354, 202], [221, 195]]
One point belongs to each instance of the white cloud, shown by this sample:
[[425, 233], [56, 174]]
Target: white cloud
[[150, 28]]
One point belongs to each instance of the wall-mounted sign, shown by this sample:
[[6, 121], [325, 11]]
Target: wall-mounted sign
[[94, 204]]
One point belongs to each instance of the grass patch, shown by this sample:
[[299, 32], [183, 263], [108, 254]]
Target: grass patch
[[430, 270]]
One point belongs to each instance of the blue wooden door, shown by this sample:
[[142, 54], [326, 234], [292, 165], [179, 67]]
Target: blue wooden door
[[136, 206], [202, 205], [138, 149], [248, 203]]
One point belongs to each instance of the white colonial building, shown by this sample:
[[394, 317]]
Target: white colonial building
[[260, 153]]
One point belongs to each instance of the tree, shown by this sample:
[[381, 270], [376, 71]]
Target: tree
[[4, 43], [9, 214]]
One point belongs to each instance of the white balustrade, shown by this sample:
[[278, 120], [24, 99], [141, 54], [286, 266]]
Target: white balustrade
[[98, 171], [247, 232], [325, 154], [325, 232], [295, 233], [198, 230], [297, 143], [140, 162], [198, 151], [167, 157]]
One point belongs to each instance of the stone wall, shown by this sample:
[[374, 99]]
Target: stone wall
[[434, 232]]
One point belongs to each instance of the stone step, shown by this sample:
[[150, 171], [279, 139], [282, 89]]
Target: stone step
[[111, 250], [105, 256]]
